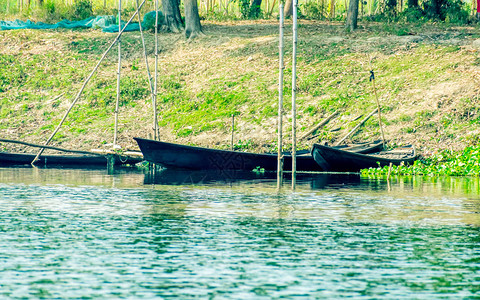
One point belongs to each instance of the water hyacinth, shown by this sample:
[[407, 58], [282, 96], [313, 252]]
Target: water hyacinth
[[447, 162]]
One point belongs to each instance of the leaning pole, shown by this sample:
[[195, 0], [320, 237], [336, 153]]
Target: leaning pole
[[85, 83], [149, 75]]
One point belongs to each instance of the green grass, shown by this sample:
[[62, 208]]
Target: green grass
[[199, 89]]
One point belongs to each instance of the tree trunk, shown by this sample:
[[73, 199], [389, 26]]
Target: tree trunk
[[352, 15], [173, 18], [288, 9], [478, 9], [193, 28], [332, 9]]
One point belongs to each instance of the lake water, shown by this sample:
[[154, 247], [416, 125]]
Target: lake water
[[87, 234]]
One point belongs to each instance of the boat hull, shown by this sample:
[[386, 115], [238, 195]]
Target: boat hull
[[12, 159], [171, 155], [337, 160]]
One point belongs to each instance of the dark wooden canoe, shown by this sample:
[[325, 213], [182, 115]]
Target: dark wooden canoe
[[171, 155], [17, 159], [338, 160]]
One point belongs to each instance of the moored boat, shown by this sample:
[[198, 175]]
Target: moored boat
[[338, 160], [170, 155], [17, 159]]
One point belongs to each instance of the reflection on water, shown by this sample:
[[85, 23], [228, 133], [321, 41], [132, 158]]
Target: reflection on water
[[90, 234]]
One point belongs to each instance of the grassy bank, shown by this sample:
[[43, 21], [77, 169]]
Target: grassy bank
[[427, 79]]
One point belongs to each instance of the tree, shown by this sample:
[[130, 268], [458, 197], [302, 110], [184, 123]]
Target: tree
[[352, 15], [332, 9], [288, 9], [173, 18], [193, 28]]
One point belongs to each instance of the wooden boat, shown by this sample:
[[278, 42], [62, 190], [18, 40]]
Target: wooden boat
[[17, 159], [338, 160], [170, 155]]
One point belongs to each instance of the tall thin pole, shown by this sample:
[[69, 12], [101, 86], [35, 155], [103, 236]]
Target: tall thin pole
[[372, 79], [281, 66], [145, 56], [118, 73], [85, 84], [294, 96], [233, 131], [155, 89]]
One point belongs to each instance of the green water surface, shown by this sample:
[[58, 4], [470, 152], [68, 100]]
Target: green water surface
[[87, 234]]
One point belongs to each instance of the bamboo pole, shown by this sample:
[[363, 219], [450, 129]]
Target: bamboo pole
[[356, 127], [149, 75], [85, 83], [233, 130], [155, 89], [294, 96], [281, 67], [389, 171], [49, 147], [117, 102], [372, 79], [320, 125]]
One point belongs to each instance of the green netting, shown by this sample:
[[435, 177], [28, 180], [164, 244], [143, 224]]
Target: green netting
[[106, 23]]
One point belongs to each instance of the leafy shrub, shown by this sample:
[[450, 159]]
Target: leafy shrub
[[314, 11], [451, 11], [149, 20], [82, 9], [412, 14], [49, 10], [455, 13], [249, 10]]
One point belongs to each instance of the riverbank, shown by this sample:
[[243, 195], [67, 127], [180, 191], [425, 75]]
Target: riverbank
[[427, 79]]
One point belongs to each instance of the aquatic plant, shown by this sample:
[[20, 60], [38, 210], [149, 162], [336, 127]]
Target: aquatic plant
[[447, 162]]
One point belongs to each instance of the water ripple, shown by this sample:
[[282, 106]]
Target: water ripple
[[71, 241]]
